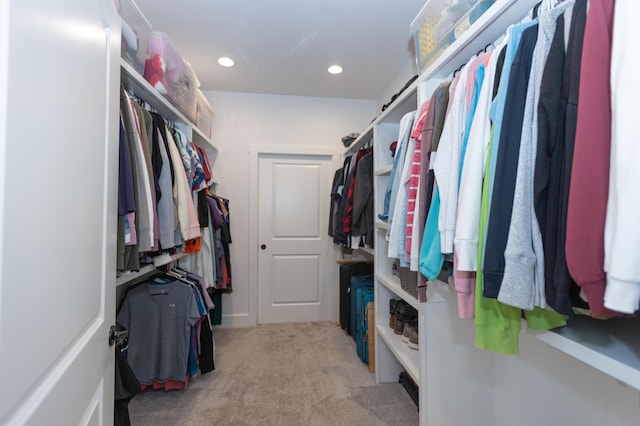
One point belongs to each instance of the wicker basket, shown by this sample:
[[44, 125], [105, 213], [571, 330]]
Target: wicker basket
[[408, 279]]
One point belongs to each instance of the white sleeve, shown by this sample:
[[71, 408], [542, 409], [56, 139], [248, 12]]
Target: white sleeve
[[470, 194], [447, 165], [622, 233]]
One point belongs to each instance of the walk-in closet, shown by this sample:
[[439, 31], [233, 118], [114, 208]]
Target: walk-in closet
[[319, 213]]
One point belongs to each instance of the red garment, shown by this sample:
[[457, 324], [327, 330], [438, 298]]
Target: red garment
[[192, 246], [414, 179], [167, 386], [348, 215], [205, 164], [589, 188]]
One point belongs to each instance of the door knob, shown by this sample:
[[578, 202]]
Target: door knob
[[118, 336], [263, 246]]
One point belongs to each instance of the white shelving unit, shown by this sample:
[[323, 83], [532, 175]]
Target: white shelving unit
[[392, 354], [134, 82], [406, 356], [460, 384], [447, 347], [611, 346], [441, 333]]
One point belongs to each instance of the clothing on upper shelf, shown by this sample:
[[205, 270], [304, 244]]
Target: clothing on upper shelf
[[162, 202]]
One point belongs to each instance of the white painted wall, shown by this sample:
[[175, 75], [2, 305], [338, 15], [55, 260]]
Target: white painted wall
[[244, 119]]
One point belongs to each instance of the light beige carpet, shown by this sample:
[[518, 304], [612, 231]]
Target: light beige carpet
[[281, 374]]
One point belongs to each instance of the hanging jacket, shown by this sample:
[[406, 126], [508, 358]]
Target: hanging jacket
[[507, 163], [589, 187], [557, 120], [362, 215], [523, 280], [339, 236], [622, 233]]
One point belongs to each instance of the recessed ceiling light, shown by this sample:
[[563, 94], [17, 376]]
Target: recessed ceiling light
[[335, 69], [226, 62]]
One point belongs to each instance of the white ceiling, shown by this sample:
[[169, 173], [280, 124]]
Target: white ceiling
[[286, 46]]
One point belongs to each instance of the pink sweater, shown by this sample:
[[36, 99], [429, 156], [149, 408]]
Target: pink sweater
[[589, 187]]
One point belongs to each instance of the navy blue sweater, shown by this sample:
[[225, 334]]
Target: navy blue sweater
[[507, 163]]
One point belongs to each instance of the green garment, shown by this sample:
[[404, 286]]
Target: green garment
[[497, 324]]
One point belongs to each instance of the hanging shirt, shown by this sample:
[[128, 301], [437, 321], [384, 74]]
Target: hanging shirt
[[556, 123], [162, 167], [622, 233], [126, 201], [414, 183], [497, 107], [447, 163], [507, 163], [362, 215], [430, 136], [498, 325], [144, 200], [189, 226], [523, 281], [464, 280], [159, 316], [589, 187], [348, 215], [431, 257], [406, 124], [398, 224]]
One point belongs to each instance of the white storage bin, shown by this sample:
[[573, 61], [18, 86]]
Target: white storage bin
[[440, 23], [134, 35], [170, 74], [204, 114]]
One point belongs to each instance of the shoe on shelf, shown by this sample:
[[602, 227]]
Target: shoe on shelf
[[413, 338], [407, 329], [393, 305], [404, 313]]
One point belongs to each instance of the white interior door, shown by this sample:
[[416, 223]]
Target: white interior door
[[59, 74], [294, 253]]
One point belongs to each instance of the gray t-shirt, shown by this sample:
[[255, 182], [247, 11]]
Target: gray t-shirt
[[159, 315]]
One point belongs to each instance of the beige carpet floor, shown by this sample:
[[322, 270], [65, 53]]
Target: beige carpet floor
[[281, 374]]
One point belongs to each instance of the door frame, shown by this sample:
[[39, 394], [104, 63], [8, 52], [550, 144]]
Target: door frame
[[255, 151]]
